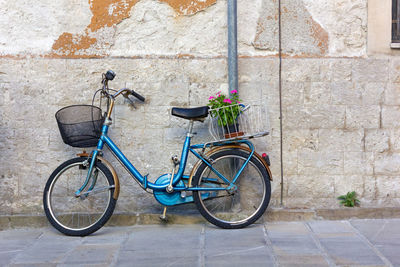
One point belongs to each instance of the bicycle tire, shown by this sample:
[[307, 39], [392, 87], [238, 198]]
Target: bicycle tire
[[248, 190], [61, 207]]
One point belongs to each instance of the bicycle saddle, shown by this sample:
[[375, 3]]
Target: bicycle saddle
[[196, 114]]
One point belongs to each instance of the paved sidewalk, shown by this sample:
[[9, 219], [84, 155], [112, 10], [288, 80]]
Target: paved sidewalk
[[315, 243]]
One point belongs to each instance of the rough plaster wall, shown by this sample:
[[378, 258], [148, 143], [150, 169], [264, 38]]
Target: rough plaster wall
[[346, 23], [340, 130], [155, 29], [186, 28], [28, 28], [301, 34]]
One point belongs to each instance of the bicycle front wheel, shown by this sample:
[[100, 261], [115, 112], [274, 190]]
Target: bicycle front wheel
[[85, 214], [241, 206]]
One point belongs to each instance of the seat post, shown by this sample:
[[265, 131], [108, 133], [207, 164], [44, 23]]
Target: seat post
[[190, 128]]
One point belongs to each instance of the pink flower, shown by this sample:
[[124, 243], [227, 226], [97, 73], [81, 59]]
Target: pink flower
[[219, 93], [211, 97], [234, 92], [238, 102], [227, 100]]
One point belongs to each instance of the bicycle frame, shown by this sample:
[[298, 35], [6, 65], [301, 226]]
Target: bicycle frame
[[142, 180]]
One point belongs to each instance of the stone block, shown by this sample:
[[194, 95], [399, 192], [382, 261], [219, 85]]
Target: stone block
[[336, 70], [294, 140], [276, 188], [392, 94], [390, 115], [290, 163], [301, 70], [346, 93], [250, 92], [258, 69], [363, 117], [175, 134], [373, 93], [370, 190], [349, 183], [320, 163], [293, 93], [377, 140], [310, 201], [360, 163], [194, 69], [310, 117], [157, 117], [371, 70], [388, 187], [394, 70], [302, 186], [274, 118], [387, 163], [200, 92], [317, 94], [9, 187], [270, 92], [394, 140], [338, 140]]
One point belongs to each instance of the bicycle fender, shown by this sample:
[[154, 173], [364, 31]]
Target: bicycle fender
[[217, 149], [112, 170], [114, 174]]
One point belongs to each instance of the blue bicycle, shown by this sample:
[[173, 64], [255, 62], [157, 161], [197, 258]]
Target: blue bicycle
[[230, 183]]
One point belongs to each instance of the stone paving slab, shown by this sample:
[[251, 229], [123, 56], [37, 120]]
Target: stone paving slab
[[314, 243], [384, 235]]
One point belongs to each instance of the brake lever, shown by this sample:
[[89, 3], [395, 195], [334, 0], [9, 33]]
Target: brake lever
[[126, 96]]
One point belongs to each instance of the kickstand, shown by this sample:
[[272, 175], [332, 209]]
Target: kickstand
[[163, 217]]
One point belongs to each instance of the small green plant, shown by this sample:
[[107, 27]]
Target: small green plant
[[349, 200]]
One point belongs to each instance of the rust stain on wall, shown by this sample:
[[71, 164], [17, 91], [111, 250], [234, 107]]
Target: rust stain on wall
[[108, 13], [190, 7], [321, 37], [67, 44], [301, 34]]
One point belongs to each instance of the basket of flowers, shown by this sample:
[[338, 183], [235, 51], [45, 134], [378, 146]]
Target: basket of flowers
[[231, 119]]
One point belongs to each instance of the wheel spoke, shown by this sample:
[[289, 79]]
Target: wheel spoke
[[248, 199], [77, 215]]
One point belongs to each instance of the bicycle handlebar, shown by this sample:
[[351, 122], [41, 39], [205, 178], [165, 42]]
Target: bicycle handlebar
[[141, 98], [125, 92], [109, 76]]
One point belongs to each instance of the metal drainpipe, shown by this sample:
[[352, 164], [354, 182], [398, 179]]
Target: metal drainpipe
[[280, 93], [232, 46]]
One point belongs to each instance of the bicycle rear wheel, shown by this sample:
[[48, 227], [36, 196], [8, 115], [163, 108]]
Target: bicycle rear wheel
[[79, 216], [236, 208]]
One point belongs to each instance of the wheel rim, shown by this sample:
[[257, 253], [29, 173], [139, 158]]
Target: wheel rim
[[238, 206], [74, 213]]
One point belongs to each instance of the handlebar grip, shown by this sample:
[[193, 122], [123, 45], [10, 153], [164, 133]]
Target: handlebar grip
[[110, 75], [141, 98]]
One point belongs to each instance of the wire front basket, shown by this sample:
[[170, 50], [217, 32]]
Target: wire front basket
[[239, 121], [80, 125]]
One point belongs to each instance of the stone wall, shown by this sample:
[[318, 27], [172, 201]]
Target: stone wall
[[340, 105]]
